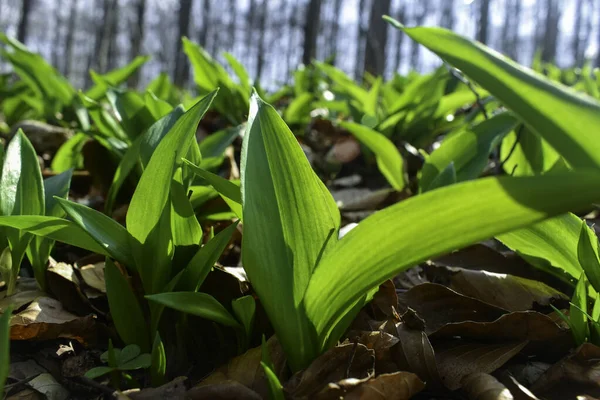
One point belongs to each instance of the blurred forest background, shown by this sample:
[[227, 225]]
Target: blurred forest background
[[272, 37]]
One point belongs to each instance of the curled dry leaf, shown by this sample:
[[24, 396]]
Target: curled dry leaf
[[482, 386], [457, 359], [345, 361], [66, 287], [49, 387], [26, 291], [381, 343], [577, 374], [246, 370], [398, 385], [45, 318], [224, 390], [430, 299], [93, 276], [414, 353], [174, 390], [508, 292]]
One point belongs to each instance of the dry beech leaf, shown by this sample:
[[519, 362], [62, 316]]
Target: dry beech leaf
[[482, 386], [381, 342], [27, 394], [65, 286], [508, 292], [577, 374], [341, 362], [46, 319], [25, 370], [398, 385], [224, 390], [93, 276], [429, 299], [25, 292], [457, 359], [49, 387], [246, 369], [414, 353], [174, 390]]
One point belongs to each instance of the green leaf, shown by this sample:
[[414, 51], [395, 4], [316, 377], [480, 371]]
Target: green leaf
[[550, 245], [142, 361], [401, 236], [290, 221], [244, 309], [107, 232], [275, 387], [128, 353], [125, 309], [158, 366], [97, 372], [198, 304], [388, 157], [69, 155], [560, 115], [525, 153], [185, 228], [445, 178], [4, 347], [588, 254], [215, 144], [468, 149], [152, 192], [115, 77], [58, 229], [229, 191], [578, 320], [204, 259]]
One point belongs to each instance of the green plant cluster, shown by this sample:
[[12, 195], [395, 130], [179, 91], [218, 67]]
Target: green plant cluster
[[310, 281]]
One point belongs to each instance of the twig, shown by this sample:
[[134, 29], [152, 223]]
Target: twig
[[352, 357], [512, 149], [458, 75]]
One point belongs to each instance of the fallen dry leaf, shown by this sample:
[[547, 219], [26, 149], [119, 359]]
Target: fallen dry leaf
[[93, 276], [49, 387], [429, 299], [575, 375], [45, 319], [27, 394], [482, 386], [25, 292], [65, 286], [508, 292], [345, 361], [398, 385], [174, 390], [457, 359], [246, 369], [224, 390]]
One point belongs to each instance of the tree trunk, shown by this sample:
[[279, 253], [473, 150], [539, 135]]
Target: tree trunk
[[203, 34], [181, 66], [551, 30], [335, 30], [70, 37], [23, 26], [55, 58], [232, 24], [484, 18], [113, 49], [377, 38], [401, 15], [510, 28], [421, 11], [262, 25], [360, 41], [311, 31], [137, 37], [447, 20]]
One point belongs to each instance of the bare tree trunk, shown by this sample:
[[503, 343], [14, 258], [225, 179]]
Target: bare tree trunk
[[203, 34], [70, 37], [232, 23], [377, 38], [510, 28], [107, 28], [483, 23], [551, 30], [597, 61], [447, 20], [113, 49], [335, 30], [56, 38], [262, 22], [311, 31], [400, 16], [137, 37], [422, 9], [23, 26], [181, 67], [360, 41]]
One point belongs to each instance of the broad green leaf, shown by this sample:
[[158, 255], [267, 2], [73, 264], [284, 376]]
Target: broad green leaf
[[4, 347], [388, 157], [244, 309], [290, 221], [299, 109], [445, 178], [152, 192], [204, 259], [125, 309], [198, 304], [215, 144], [58, 229], [560, 115], [158, 366], [229, 191], [524, 153], [142, 361], [21, 185], [275, 388], [115, 77], [550, 245], [404, 234], [97, 372], [185, 228], [69, 154], [240, 71], [107, 232], [588, 255], [469, 150], [578, 320]]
